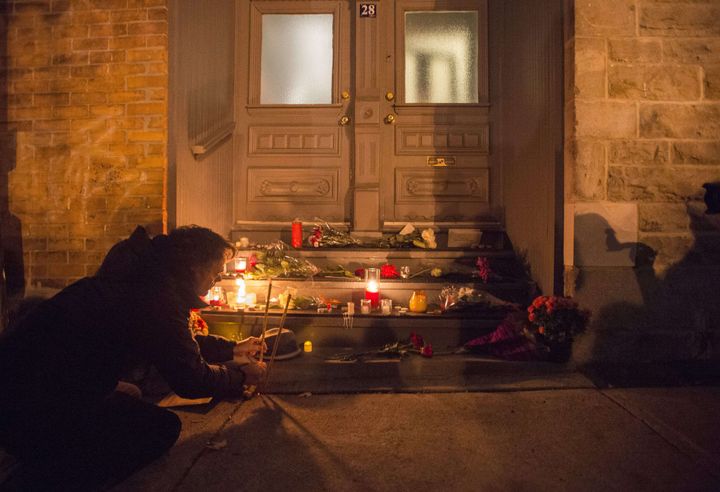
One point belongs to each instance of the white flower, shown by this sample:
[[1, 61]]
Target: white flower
[[428, 236]]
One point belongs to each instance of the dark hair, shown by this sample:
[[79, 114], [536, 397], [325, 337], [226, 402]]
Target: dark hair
[[195, 246]]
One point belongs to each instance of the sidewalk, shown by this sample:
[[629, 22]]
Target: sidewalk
[[538, 436], [411, 425]]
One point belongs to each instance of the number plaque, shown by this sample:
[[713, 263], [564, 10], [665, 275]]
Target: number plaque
[[368, 10]]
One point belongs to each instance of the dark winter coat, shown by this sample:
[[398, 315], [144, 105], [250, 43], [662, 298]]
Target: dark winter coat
[[73, 347]]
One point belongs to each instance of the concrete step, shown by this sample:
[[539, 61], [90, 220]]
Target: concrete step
[[509, 283], [452, 262], [332, 329], [319, 372], [341, 291]]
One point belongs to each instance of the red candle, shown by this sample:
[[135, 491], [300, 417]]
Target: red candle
[[374, 298], [296, 239], [372, 292]]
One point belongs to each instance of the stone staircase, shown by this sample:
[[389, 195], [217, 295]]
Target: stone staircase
[[330, 328]]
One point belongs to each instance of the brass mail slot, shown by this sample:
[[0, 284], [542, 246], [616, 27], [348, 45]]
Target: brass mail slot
[[440, 161]]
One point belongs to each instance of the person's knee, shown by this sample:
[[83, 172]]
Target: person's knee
[[170, 427]]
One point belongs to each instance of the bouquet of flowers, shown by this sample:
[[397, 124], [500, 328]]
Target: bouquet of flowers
[[454, 298], [409, 237], [556, 320], [337, 271], [413, 345], [270, 261], [510, 340], [324, 236], [196, 324]]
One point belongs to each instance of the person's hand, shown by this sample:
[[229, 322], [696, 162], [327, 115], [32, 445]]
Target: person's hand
[[249, 346], [254, 373]]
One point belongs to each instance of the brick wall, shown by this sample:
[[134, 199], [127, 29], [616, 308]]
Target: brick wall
[[642, 136], [86, 104]]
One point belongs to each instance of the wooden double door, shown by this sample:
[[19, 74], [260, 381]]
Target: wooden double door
[[364, 114]]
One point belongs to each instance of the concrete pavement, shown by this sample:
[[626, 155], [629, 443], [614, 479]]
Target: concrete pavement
[[537, 438]]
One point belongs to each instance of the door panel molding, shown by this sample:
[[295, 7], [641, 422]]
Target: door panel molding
[[293, 185], [304, 140], [424, 140], [445, 185], [368, 156]]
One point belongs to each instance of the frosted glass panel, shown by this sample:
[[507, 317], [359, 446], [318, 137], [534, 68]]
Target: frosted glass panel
[[441, 62], [297, 59]]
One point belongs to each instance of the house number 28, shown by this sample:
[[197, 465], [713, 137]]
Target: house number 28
[[368, 10]]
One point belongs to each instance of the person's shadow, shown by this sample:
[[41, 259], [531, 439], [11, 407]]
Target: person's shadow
[[664, 313]]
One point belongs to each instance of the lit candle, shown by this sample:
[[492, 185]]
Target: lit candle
[[240, 264], [364, 306], [241, 293], [216, 296], [372, 290], [386, 306], [251, 299]]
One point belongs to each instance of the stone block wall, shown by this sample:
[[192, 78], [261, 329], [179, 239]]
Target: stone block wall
[[643, 134], [84, 121]]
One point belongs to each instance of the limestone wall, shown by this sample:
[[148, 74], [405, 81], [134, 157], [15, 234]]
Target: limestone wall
[[84, 122], [642, 136]]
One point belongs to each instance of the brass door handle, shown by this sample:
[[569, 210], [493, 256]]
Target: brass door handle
[[344, 120], [389, 119]]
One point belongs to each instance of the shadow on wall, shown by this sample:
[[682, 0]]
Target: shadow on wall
[[640, 316], [12, 272]]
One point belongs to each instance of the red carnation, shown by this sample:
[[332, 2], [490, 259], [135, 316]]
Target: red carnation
[[483, 268], [427, 350], [416, 340], [388, 271]]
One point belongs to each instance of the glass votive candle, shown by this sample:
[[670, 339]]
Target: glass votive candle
[[240, 264], [365, 306], [372, 288], [216, 296], [386, 306]]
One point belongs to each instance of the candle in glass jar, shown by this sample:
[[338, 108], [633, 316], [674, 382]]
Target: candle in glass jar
[[365, 306], [241, 292], [372, 289], [386, 306], [240, 264], [372, 294], [216, 296]]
